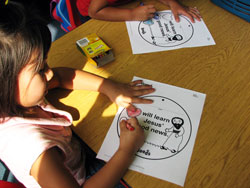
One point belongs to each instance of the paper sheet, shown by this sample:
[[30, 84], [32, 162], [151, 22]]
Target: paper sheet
[[165, 33], [170, 125]]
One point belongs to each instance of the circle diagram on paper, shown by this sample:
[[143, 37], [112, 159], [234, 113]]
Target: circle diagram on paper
[[165, 31], [166, 124]]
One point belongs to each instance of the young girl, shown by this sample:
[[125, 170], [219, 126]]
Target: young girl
[[36, 141], [106, 10]]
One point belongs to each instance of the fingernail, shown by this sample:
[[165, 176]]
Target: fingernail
[[129, 127]]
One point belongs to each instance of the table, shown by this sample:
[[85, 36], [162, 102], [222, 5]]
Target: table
[[221, 155]]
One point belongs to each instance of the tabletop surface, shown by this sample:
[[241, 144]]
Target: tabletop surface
[[221, 154]]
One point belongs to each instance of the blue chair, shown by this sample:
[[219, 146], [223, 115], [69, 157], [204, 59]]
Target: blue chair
[[240, 8]]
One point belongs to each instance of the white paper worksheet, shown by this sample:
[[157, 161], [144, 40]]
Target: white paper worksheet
[[164, 33], [170, 124]]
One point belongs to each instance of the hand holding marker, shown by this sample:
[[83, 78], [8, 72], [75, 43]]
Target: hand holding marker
[[156, 15], [128, 125]]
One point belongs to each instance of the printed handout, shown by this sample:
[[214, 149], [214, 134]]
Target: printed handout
[[164, 33], [170, 124]]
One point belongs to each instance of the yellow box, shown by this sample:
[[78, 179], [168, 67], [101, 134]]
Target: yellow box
[[97, 52]]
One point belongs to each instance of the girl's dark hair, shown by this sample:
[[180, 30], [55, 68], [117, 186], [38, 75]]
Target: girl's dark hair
[[22, 32]]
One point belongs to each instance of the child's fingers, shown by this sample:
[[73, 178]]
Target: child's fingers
[[192, 13], [141, 92], [130, 127], [123, 125], [142, 87], [130, 124], [136, 82], [151, 9], [188, 14], [135, 100], [176, 16], [134, 122], [195, 13], [151, 13], [138, 100], [196, 16]]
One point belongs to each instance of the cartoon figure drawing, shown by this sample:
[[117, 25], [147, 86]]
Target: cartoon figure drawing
[[175, 135], [174, 38], [163, 31], [166, 39], [160, 143]]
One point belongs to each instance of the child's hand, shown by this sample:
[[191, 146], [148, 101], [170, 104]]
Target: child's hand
[[126, 94], [142, 13], [177, 9], [131, 139]]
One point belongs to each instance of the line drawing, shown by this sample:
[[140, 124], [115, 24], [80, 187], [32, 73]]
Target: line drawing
[[164, 32], [167, 134], [170, 125]]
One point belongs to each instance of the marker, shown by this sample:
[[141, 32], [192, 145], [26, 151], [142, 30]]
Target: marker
[[156, 16], [129, 127]]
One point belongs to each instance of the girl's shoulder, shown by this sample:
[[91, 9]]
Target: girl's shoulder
[[43, 114], [24, 139], [48, 119]]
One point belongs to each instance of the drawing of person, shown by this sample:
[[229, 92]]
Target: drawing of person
[[174, 38], [175, 137], [167, 39]]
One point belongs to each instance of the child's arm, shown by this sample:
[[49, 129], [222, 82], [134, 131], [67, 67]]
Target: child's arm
[[49, 169], [130, 142], [177, 9], [122, 94], [100, 10]]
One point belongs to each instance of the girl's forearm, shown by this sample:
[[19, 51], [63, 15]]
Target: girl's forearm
[[112, 172], [113, 14], [75, 79]]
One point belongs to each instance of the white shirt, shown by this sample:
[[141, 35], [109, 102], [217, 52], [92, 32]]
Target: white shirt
[[23, 140]]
